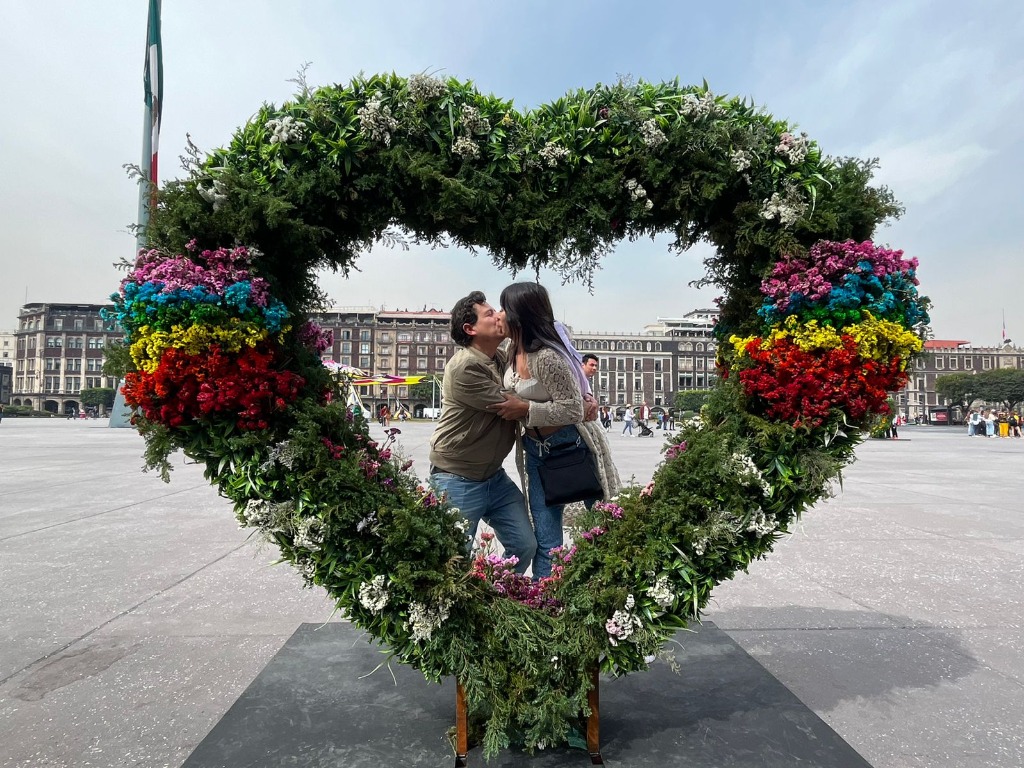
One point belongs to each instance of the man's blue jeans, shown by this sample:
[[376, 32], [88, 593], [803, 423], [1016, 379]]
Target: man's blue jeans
[[499, 503]]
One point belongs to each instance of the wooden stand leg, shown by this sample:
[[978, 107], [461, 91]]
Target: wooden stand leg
[[461, 727], [594, 721]]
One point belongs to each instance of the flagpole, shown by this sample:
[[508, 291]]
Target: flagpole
[[153, 76]]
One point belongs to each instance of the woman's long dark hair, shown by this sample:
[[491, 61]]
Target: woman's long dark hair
[[530, 319]]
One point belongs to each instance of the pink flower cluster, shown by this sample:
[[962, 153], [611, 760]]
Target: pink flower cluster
[[814, 275], [674, 451], [214, 271], [315, 337], [611, 508], [500, 573]]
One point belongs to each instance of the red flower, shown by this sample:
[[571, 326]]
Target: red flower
[[188, 388]]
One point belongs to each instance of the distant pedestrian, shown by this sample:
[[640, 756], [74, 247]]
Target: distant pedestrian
[[627, 417]]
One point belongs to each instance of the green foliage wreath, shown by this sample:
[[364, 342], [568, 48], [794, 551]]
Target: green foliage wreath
[[816, 325]]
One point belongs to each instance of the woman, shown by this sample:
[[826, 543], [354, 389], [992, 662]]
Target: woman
[[543, 370]]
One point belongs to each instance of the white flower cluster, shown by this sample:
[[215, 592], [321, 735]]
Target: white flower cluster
[[761, 524], [216, 195], [370, 521], [308, 534], [260, 513], [747, 472], [473, 122], [623, 624], [741, 159], [551, 153], [281, 453], [376, 121], [426, 88], [638, 193], [700, 547], [787, 208], [423, 620], [466, 147], [373, 594], [700, 107], [793, 148], [307, 568], [651, 134], [284, 130], [662, 593]]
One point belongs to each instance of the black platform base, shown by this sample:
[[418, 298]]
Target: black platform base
[[310, 707]]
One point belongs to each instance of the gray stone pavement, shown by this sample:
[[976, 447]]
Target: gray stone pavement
[[134, 613]]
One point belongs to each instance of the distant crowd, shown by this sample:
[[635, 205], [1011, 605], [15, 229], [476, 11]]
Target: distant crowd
[[992, 423]]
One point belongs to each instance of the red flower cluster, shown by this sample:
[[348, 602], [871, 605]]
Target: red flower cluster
[[803, 387], [187, 388]]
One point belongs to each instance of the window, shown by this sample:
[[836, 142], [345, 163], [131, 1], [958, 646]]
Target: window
[[364, 349], [364, 362], [440, 351], [986, 363], [52, 364], [346, 346], [421, 350], [385, 363], [439, 363], [403, 391], [97, 324], [79, 324], [405, 336], [700, 363], [441, 337], [638, 383], [620, 382], [364, 335], [92, 382], [95, 342], [952, 362], [422, 337], [346, 360], [602, 381], [384, 336], [685, 364], [638, 398], [75, 342], [50, 383], [657, 366], [968, 362], [403, 363], [72, 384], [620, 399], [638, 365], [621, 364], [384, 350], [346, 334], [54, 341], [421, 363], [657, 384], [74, 365], [58, 323], [938, 363], [403, 349]]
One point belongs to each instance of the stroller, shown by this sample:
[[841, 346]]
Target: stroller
[[645, 431]]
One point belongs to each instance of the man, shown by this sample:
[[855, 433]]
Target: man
[[590, 366], [470, 442]]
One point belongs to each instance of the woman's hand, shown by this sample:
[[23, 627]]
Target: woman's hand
[[513, 409], [590, 408]]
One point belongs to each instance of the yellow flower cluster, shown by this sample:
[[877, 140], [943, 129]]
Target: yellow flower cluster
[[876, 339], [194, 340]]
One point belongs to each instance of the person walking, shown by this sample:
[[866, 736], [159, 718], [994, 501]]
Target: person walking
[[627, 419]]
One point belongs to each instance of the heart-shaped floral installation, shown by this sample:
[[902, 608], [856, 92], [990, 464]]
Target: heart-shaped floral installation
[[817, 327]]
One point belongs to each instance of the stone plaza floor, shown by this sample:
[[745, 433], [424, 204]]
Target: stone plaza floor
[[133, 613]]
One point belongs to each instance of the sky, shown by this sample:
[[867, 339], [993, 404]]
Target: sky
[[933, 89]]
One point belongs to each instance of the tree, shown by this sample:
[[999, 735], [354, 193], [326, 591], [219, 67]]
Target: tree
[[1002, 385], [424, 392], [960, 389], [98, 396], [691, 399]]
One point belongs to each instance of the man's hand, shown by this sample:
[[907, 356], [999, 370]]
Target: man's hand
[[513, 409], [590, 408]]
